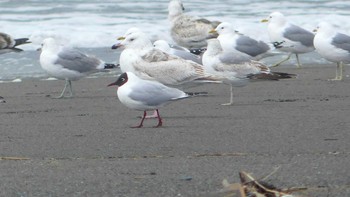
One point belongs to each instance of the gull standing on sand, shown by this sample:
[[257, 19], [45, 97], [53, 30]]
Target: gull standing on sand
[[231, 40], [177, 51], [9, 44], [288, 37], [333, 46], [188, 31], [68, 64], [236, 68], [145, 95]]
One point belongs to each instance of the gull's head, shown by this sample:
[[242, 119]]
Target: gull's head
[[324, 27], [276, 18], [224, 28], [121, 38], [137, 40], [49, 44], [162, 45], [132, 30], [124, 78], [175, 8]]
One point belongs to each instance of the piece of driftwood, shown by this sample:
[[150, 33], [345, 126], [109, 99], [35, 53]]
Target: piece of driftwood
[[251, 187]]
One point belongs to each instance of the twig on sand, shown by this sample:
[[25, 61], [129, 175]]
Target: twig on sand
[[249, 186], [14, 158]]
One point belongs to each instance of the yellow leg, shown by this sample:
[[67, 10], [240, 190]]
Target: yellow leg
[[338, 72], [68, 84], [231, 98], [279, 63], [341, 71], [298, 65]]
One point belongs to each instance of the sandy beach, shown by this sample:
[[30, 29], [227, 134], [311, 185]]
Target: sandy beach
[[84, 146]]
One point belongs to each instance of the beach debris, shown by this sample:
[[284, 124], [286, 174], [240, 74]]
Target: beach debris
[[2, 100], [251, 187], [186, 178], [14, 158]]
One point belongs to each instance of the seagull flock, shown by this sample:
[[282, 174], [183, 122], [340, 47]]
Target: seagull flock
[[153, 73]]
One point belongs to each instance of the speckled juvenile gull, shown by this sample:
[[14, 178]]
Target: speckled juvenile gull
[[145, 95], [68, 64], [237, 68], [188, 31], [333, 46], [288, 37], [9, 44], [147, 62], [177, 51], [231, 40]]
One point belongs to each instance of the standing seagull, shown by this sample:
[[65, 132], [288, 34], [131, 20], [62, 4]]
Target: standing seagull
[[188, 31], [288, 37], [9, 44], [231, 40], [236, 68], [333, 46], [145, 95], [68, 64]]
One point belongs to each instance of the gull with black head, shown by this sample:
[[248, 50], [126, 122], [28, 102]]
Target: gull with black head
[[145, 95]]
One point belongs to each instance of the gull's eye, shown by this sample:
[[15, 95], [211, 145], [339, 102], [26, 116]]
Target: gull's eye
[[132, 39], [222, 28], [123, 79]]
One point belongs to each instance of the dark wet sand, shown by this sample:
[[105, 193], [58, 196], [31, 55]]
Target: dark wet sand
[[84, 146]]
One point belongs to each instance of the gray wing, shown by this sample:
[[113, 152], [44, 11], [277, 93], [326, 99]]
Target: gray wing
[[180, 48], [75, 60], [299, 34], [154, 94], [250, 46], [341, 41], [233, 58], [187, 56]]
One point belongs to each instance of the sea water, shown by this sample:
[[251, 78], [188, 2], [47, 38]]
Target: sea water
[[93, 25]]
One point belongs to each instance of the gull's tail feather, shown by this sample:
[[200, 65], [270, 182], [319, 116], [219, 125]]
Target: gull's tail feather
[[20, 41], [16, 49], [198, 51], [284, 75], [110, 66], [272, 76]]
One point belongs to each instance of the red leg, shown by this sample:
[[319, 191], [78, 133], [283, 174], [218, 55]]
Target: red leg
[[154, 115], [143, 118], [160, 123]]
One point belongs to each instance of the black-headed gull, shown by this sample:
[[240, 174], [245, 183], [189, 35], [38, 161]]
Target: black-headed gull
[[9, 44], [68, 64], [188, 31], [288, 37], [236, 68], [333, 46], [145, 95]]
